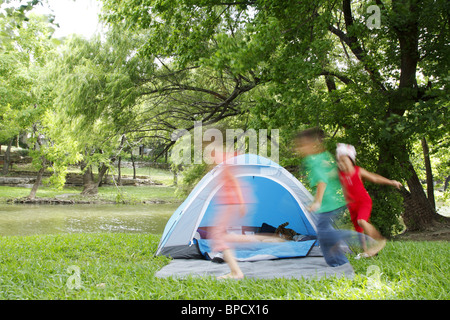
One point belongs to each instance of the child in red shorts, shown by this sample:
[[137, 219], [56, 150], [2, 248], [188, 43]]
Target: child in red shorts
[[230, 206], [359, 202]]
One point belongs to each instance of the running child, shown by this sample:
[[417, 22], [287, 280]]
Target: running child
[[329, 199], [230, 207], [359, 202]]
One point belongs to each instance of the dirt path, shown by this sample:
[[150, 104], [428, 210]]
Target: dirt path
[[436, 232]]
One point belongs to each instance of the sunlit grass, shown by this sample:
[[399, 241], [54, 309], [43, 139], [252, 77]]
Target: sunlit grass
[[8, 192]]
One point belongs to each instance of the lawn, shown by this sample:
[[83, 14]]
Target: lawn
[[130, 194], [122, 266]]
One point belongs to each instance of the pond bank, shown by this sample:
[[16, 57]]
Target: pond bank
[[77, 200], [28, 178]]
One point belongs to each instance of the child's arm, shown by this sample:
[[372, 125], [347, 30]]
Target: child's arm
[[321, 186], [376, 178]]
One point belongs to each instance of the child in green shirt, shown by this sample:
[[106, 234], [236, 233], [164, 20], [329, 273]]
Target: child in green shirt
[[322, 169], [329, 198]]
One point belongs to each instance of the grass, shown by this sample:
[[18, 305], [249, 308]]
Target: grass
[[160, 175], [107, 193], [7, 192], [122, 266], [141, 193]]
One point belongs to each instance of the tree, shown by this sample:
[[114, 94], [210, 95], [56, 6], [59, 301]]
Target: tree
[[24, 44], [91, 79], [144, 96], [320, 63]]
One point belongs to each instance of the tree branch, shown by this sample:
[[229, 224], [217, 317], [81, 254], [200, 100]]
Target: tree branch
[[343, 78], [353, 43]]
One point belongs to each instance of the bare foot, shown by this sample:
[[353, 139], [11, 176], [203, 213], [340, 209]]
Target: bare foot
[[231, 276], [361, 255], [376, 248]]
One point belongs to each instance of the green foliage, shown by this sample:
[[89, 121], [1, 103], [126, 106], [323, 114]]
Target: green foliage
[[83, 122], [285, 65], [191, 177], [316, 63], [22, 54], [95, 84], [386, 210]]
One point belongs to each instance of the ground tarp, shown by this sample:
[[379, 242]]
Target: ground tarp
[[296, 268], [311, 266]]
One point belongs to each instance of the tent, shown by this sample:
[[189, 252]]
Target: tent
[[278, 197]]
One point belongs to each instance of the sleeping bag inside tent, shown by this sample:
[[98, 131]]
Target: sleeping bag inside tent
[[272, 195]]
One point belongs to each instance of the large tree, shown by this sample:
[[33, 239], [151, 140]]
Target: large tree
[[23, 45], [375, 80]]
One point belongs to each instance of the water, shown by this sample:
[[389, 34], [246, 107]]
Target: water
[[23, 220]]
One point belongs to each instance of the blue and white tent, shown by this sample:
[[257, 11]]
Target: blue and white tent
[[278, 197]]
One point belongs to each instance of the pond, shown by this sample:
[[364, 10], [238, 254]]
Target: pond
[[23, 220]]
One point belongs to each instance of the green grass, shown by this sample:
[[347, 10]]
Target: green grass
[[122, 266], [141, 193], [7, 192], [159, 175], [109, 193]]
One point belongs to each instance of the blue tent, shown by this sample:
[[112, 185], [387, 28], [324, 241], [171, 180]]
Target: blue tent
[[277, 197]]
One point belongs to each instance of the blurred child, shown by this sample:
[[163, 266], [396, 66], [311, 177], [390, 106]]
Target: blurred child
[[230, 207], [358, 200], [329, 199]]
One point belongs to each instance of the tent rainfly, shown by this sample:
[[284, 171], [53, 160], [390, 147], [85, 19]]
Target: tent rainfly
[[277, 197]]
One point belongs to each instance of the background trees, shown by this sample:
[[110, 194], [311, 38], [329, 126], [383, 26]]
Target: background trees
[[379, 82], [24, 42], [318, 63]]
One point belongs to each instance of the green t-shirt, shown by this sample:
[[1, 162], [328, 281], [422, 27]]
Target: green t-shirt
[[322, 167]]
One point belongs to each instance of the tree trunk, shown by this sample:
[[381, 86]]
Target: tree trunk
[[430, 185], [134, 165], [119, 172], [7, 161], [419, 213], [101, 172], [89, 185], [38, 181]]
